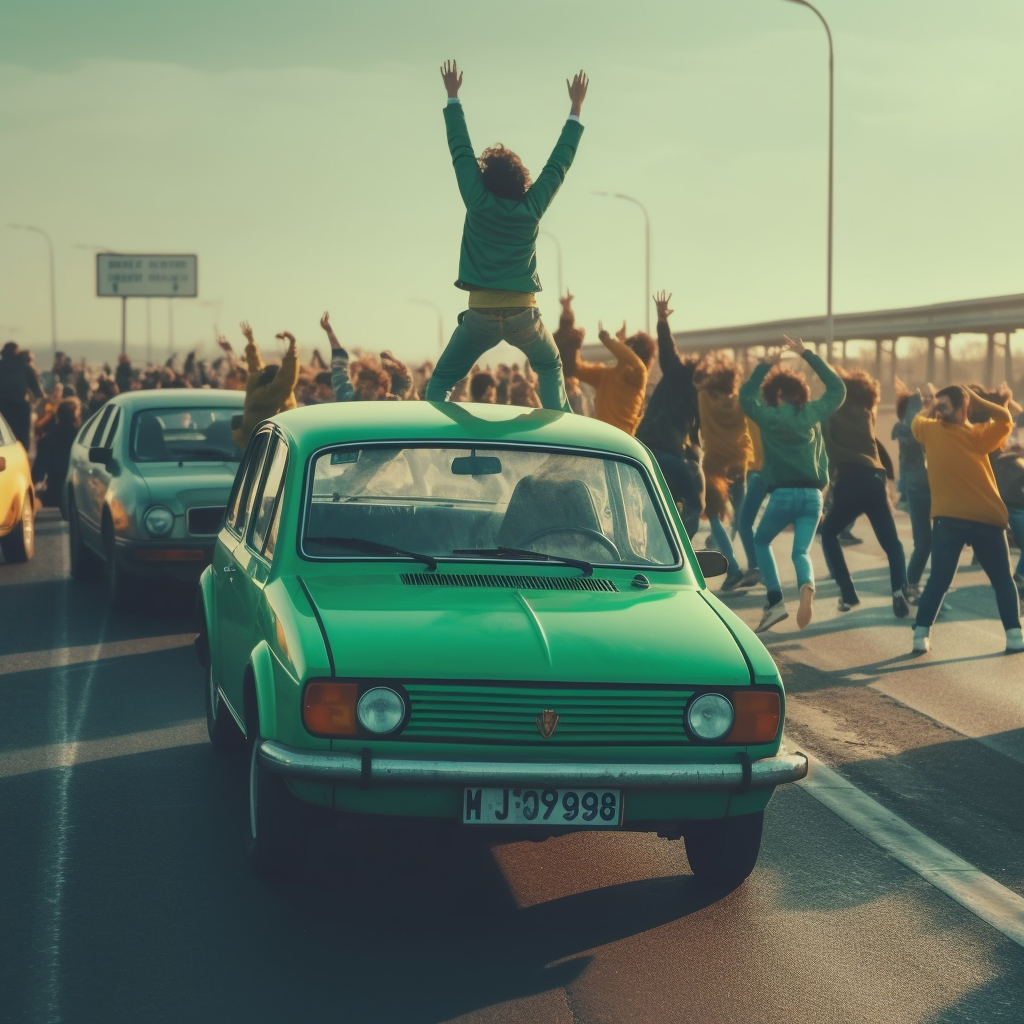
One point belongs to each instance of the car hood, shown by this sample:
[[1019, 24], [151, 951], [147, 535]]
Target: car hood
[[193, 482], [379, 626]]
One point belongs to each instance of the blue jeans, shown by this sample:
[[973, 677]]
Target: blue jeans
[[919, 505], [949, 536], [480, 330], [757, 491], [718, 531], [800, 506]]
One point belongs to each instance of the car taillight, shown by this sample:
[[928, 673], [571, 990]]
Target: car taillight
[[757, 716], [329, 708]]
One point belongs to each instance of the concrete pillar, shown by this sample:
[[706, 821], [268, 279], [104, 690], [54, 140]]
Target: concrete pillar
[[990, 358], [947, 361], [1008, 359], [929, 372], [878, 358]]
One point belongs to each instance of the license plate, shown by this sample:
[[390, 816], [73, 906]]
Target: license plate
[[581, 808]]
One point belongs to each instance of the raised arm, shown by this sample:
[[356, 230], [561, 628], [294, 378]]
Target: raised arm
[[835, 389], [991, 434], [287, 376], [467, 169], [548, 182], [668, 357], [253, 361], [568, 337]]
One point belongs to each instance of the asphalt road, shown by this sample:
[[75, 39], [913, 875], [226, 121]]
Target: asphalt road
[[125, 893]]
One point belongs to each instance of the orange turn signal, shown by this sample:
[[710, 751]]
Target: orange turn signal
[[757, 716], [329, 708]]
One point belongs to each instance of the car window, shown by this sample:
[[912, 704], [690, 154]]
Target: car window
[[247, 475], [267, 500], [6, 435], [193, 434], [105, 413], [439, 501], [108, 435], [89, 428]]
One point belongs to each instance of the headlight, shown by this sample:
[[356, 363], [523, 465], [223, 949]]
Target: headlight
[[709, 716], [380, 710], [159, 521]]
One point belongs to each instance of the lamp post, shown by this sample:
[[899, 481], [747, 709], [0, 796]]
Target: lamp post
[[53, 286], [647, 252], [440, 319], [831, 79], [558, 250]]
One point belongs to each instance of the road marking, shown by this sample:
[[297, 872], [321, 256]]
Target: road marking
[[979, 893], [63, 657], [65, 755]]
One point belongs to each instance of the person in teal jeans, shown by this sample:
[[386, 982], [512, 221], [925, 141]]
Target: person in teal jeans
[[795, 469], [498, 259]]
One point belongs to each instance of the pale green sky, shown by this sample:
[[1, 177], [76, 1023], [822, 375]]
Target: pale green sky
[[299, 150]]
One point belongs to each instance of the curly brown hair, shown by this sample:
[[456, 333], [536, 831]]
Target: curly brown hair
[[782, 385], [644, 346], [370, 370], [861, 388], [717, 374], [503, 173]]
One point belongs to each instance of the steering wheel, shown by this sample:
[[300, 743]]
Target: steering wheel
[[585, 531]]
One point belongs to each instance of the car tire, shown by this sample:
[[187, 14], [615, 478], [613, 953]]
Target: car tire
[[119, 586], [220, 724], [276, 822], [20, 544], [84, 563], [724, 852]]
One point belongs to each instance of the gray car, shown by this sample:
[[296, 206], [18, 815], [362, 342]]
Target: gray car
[[147, 484]]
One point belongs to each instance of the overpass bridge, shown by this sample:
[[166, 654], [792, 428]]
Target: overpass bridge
[[996, 318]]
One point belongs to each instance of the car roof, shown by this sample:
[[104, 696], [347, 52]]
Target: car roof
[[178, 398], [314, 426]]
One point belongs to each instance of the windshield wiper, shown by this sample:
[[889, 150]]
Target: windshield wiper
[[361, 544], [585, 567]]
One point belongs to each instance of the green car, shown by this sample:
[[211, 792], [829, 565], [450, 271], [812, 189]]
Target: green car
[[483, 616]]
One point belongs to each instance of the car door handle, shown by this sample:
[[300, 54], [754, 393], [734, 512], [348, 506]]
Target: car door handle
[[228, 568]]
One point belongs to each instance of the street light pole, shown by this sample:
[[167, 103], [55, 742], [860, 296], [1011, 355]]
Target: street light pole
[[831, 82], [647, 253], [53, 285], [558, 250], [440, 319]]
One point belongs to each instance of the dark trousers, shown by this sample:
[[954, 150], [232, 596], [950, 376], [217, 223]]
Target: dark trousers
[[685, 481], [919, 505], [854, 494], [989, 542]]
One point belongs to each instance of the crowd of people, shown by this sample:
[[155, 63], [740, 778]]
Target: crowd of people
[[753, 457]]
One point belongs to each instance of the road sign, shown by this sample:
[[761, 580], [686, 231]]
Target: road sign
[[128, 275]]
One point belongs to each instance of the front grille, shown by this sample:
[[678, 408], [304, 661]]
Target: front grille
[[204, 520], [506, 713], [454, 579]]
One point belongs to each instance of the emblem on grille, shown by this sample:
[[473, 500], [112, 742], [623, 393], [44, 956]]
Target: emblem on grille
[[547, 722]]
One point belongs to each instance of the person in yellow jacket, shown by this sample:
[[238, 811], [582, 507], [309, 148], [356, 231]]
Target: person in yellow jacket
[[966, 506], [619, 387], [269, 389]]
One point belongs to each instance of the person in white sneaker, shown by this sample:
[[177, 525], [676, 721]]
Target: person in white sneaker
[[966, 507], [795, 468]]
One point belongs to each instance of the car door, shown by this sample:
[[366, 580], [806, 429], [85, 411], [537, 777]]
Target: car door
[[89, 489], [231, 637]]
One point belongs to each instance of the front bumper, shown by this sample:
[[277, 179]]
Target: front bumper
[[730, 776]]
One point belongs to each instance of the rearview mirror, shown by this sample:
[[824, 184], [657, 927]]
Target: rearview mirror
[[103, 456], [712, 563], [476, 465]]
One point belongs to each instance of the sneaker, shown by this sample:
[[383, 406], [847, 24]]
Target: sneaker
[[806, 609], [845, 606], [900, 605], [773, 613], [732, 581], [753, 576], [1014, 641], [914, 592], [922, 641], [847, 539]]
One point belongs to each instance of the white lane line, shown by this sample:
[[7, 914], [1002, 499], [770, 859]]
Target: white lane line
[[979, 893], [60, 755], [62, 656]]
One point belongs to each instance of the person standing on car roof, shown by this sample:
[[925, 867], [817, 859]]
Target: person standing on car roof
[[498, 259]]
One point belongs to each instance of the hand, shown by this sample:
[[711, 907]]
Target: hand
[[928, 392], [286, 336], [621, 332], [247, 331], [325, 322], [793, 345], [224, 343], [661, 301], [566, 301], [577, 91], [771, 356], [452, 78]]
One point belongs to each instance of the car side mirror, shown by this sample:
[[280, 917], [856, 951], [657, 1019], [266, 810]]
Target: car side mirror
[[103, 456], [712, 563]]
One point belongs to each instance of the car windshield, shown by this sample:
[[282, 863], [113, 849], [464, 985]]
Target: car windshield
[[195, 434], [485, 502]]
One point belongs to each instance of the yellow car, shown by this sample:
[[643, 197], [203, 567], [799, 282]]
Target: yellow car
[[17, 500]]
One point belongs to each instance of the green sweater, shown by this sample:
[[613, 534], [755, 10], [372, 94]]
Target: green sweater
[[794, 447], [499, 236]]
